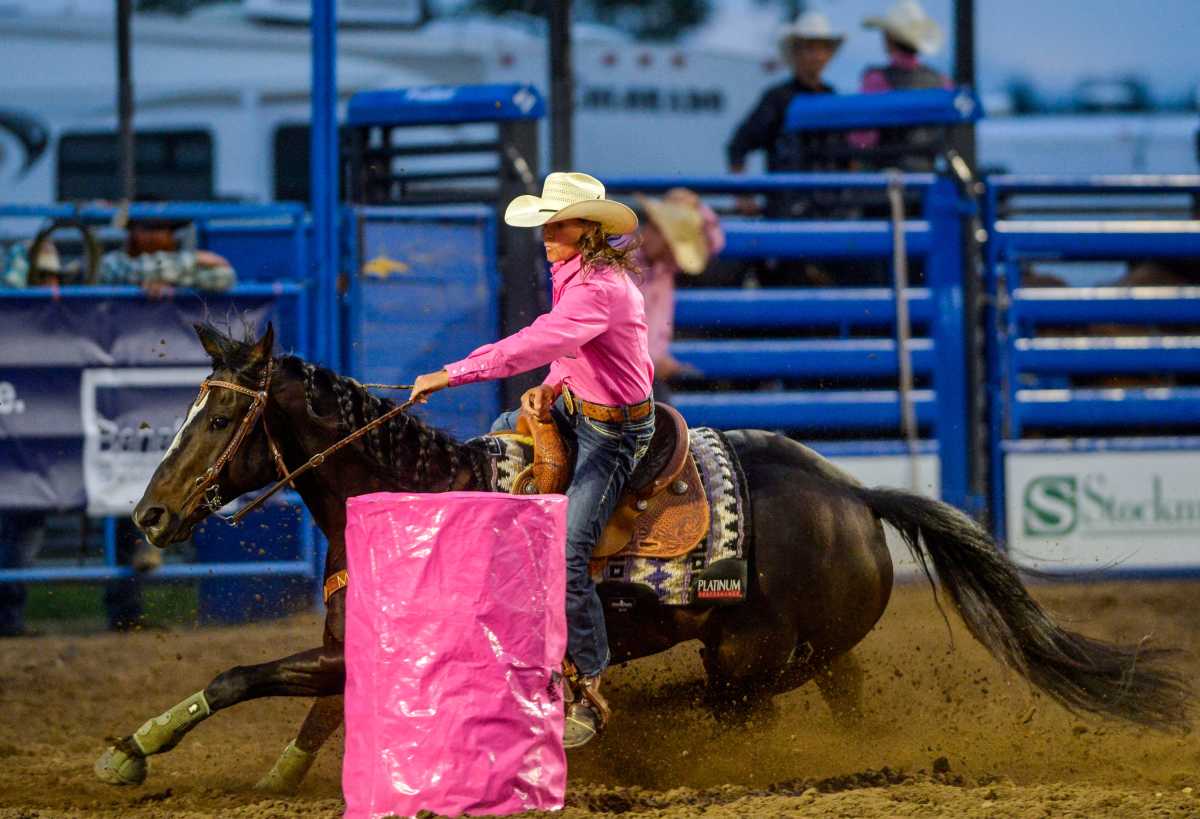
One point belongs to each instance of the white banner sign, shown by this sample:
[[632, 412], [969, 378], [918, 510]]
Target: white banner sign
[[130, 416], [1092, 510], [896, 471]]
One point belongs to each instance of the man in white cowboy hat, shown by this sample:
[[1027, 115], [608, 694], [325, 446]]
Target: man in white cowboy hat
[[679, 234], [908, 31], [594, 338], [807, 45]]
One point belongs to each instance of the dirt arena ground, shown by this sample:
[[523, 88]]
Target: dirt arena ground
[[947, 732]]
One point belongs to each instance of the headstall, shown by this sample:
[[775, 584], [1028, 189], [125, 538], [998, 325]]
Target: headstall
[[205, 487]]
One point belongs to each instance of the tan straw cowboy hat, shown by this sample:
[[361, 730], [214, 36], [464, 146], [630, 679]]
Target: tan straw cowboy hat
[[907, 22], [811, 25], [571, 196], [682, 228]]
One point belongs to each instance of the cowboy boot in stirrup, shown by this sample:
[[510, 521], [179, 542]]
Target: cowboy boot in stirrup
[[586, 715]]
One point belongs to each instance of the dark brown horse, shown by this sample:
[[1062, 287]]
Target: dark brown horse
[[814, 528]]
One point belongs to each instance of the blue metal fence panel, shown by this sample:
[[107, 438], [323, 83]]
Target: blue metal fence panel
[[1089, 409], [1008, 184], [808, 412], [1089, 305], [445, 104], [57, 340], [1032, 369], [926, 106], [936, 236], [802, 358], [816, 239], [944, 273], [425, 294], [760, 183], [1108, 356], [840, 307], [262, 251], [1097, 239]]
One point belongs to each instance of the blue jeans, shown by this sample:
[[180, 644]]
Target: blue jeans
[[606, 455]]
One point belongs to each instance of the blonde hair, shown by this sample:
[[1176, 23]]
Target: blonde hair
[[596, 251]]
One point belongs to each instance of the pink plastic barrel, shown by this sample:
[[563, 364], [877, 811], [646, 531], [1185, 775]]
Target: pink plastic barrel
[[455, 633]]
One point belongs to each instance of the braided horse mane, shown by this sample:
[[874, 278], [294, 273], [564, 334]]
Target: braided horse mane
[[407, 450]]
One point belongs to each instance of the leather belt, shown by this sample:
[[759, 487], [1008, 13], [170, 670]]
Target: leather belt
[[606, 412]]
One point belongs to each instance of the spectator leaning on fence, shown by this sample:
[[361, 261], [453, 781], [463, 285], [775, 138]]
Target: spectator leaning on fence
[[907, 33], [807, 45], [679, 233]]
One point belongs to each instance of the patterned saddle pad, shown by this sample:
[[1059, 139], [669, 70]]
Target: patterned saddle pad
[[671, 579]]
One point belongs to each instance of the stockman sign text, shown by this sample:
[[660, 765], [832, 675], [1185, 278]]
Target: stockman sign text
[[1125, 510]]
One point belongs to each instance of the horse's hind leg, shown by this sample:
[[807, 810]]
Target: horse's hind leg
[[743, 660], [316, 672], [289, 770], [841, 683]]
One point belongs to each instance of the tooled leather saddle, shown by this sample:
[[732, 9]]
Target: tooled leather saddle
[[663, 513]]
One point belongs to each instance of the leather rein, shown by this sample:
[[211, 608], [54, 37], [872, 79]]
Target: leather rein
[[205, 485]]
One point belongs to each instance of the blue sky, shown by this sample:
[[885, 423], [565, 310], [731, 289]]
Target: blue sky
[[1053, 42]]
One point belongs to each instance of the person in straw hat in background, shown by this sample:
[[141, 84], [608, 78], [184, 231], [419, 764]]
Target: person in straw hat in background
[[908, 33], [680, 233], [807, 46], [595, 340]]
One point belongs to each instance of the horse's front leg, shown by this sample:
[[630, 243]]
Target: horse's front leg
[[289, 770], [317, 672]]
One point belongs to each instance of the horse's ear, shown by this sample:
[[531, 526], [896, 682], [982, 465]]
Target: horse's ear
[[210, 340], [265, 345]]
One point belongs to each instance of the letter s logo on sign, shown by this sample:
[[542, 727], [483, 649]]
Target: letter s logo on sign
[[1050, 505]]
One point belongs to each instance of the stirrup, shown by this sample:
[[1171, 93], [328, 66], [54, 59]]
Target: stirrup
[[581, 725], [588, 711]]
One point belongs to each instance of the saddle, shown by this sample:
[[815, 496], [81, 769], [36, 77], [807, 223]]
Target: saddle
[[663, 513]]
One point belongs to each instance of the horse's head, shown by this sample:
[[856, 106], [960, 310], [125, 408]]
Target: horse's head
[[222, 449]]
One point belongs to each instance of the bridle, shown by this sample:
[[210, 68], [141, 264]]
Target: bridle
[[205, 486]]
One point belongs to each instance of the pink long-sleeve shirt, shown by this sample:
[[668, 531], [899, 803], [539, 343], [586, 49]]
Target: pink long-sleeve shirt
[[658, 287], [874, 81], [594, 339]]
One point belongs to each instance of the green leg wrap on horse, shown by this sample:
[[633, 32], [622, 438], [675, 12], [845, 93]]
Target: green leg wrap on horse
[[164, 731], [289, 771]]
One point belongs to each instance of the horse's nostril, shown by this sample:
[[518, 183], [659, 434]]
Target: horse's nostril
[[150, 517]]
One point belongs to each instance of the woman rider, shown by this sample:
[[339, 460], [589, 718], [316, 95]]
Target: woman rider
[[595, 340]]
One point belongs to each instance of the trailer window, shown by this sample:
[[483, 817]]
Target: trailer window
[[169, 165], [291, 152]]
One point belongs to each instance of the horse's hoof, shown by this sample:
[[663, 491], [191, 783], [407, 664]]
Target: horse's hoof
[[275, 785], [116, 767], [288, 772]]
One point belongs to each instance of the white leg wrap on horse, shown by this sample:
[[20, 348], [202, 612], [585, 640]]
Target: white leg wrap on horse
[[164, 731], [289, 771]]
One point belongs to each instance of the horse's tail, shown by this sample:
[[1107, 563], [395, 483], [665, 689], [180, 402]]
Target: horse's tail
[[1132, 682]]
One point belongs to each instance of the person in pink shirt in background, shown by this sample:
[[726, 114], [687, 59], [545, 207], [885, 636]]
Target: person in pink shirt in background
[[908, 31], [595, 340], [679, 234]]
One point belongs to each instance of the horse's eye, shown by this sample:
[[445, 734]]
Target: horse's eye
[[218, 422]]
